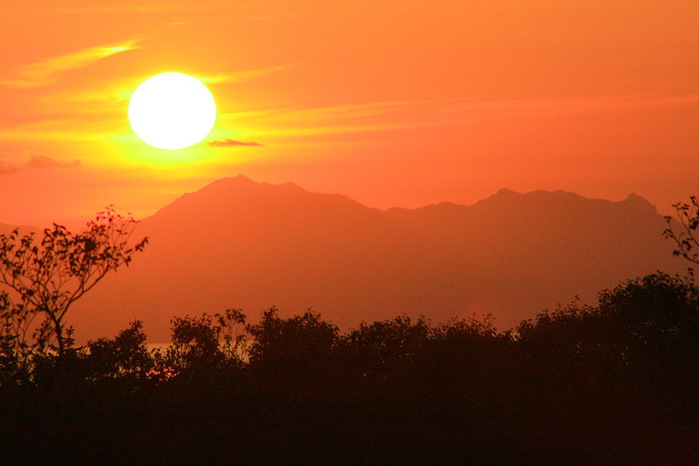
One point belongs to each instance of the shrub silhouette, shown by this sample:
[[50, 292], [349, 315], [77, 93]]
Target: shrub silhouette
[[205, 343], [621, 375], [292, 347], [124, 357], [655, 320], [385, 346]]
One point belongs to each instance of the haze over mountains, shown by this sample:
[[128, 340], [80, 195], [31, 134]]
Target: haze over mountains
[[241, 244]]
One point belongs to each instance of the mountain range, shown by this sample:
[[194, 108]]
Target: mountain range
[[237, 243]]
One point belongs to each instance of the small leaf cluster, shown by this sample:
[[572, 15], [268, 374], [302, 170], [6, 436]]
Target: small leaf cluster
[[686, 236]]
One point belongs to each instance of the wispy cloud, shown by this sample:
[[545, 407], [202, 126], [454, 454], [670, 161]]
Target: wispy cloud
[[35, 162], [52, 69], [340, 124], [332, 120], [245, 75], [232, 143]]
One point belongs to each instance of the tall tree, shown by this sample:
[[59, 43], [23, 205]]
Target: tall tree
[[44, 277]]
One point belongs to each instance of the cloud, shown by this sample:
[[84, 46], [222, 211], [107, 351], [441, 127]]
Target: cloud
[[245, 75], [400, 115], [35, 162], [50, 70], [232, 143]]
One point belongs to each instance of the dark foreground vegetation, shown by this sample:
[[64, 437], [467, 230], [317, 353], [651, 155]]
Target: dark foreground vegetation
[[614, 383], [607, 384]]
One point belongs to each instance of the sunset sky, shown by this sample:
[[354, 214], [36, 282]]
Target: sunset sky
[[393, 103]]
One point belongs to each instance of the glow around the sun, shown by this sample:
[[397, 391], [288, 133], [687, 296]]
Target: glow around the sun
[[172, 111]]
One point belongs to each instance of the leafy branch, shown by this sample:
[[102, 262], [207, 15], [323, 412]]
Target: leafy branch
[[686, 237], [44, 277]]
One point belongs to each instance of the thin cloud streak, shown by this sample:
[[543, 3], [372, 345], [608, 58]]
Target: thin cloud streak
[[36, 162], [242, 76], [233, 143], [340, 125], [51, 70], [64, 129], [396, 114]]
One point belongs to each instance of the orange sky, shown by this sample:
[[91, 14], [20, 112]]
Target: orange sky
[[394, 103]]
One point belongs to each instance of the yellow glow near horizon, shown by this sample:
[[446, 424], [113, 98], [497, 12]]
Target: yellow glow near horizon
[[172, 111]]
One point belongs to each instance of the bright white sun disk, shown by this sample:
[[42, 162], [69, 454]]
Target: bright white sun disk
[[172, 111]]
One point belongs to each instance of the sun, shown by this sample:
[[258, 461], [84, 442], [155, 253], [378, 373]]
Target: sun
[[172, 111]]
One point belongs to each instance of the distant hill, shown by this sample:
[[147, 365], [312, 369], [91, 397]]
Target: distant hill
[[241, 244]]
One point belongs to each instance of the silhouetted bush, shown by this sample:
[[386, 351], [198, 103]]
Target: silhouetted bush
[[125, 356], [613, 383], [204, 344], [293, 347], [385, 346]]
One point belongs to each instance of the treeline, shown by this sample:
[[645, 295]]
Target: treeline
[[613, 383]]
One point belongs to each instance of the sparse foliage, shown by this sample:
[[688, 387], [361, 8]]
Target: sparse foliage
[[125, 356], [205, 342], [686, 237], [45, 276]]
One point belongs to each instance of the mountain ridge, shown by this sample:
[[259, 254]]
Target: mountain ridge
[[237, 243], [240, 180]]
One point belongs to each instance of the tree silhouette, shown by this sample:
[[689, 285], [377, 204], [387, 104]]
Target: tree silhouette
[[387, 345], [205, 343], [44, 277], [687, 242], [655, 320], [125, 356], [647, 325], [294, 346]]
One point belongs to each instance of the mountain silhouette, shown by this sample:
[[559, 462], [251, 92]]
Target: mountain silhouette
[[240, 244]]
